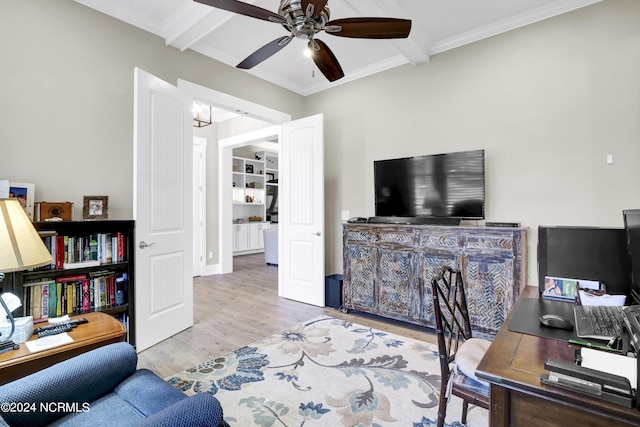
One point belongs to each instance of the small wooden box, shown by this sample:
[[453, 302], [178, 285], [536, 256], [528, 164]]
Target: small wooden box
[[54, 210]]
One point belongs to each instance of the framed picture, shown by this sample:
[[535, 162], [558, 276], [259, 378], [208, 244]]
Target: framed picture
[[4, 188], [248, 168], [270, 177], [25, 194], [95, 207]]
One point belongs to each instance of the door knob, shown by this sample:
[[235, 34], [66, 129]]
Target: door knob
[[317, 233], [144, 244]]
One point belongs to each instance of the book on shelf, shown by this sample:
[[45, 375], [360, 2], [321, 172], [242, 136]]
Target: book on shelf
[[70, 252], [80, 264], [73, 294]]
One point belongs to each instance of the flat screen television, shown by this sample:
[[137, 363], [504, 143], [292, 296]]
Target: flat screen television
[[632, 230], [588, 253], [449, 185]]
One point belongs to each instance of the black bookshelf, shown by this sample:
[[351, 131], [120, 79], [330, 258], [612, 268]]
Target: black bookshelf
[[124, 311]]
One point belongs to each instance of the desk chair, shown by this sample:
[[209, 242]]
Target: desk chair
[[459, 352]]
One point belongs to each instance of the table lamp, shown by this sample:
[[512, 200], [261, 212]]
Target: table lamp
[[21, 248]]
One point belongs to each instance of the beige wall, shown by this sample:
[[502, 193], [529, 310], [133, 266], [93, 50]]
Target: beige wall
[[67, 97], [66, 100], [547, 102]]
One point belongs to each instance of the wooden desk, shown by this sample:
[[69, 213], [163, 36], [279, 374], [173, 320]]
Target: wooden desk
[[102, 329], [513, 365]]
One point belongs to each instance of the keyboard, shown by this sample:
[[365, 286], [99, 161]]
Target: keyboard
[[598, 322]]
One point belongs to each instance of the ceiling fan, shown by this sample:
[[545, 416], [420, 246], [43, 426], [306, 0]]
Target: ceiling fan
[[304, 19]]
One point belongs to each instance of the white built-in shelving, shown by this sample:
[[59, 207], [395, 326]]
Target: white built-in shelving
[[255, 195]]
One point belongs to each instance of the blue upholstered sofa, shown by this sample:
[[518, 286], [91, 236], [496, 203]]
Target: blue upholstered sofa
[[103, 388]]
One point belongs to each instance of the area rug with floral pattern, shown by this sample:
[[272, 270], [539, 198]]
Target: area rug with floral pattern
[[325, 372]]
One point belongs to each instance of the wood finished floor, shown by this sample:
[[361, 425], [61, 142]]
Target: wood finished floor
[[233, 310]]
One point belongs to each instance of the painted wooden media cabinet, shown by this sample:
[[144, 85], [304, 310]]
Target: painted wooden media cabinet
[[388, 270]]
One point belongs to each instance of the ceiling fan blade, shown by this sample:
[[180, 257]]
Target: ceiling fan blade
[[245, 9], [264, 52], [370, 28], [318, 6], [325, 60]]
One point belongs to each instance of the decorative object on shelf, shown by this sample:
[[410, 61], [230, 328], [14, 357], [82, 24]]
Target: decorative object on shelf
[[95, 207], [4, 188], [202, 114], [248, 168], [21, 248], [255, 219], [25, 193], [54, 211], [270, 177]]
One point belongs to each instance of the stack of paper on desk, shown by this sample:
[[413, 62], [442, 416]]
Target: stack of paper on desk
[[616, 364], [606, 299]]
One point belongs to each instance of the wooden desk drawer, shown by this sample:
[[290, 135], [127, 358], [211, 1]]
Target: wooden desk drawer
[[528, 410]]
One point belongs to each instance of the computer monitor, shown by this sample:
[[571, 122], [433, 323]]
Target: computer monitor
[[632, 228], [588, 253]]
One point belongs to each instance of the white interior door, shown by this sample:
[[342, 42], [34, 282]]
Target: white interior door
[[162, 209], [301, 211]]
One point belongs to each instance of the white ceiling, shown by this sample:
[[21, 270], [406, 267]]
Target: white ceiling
[[437, 26]]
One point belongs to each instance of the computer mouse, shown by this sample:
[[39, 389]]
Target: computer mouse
[[555, 321]]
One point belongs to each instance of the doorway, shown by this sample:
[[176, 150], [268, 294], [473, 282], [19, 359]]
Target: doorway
[[216, 217], [265, 139]]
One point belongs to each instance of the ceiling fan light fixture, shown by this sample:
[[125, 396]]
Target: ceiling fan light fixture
[[202, 114], [303, 19]]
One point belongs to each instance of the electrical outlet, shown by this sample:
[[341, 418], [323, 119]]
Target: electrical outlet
[[344, 215], [210, 254]]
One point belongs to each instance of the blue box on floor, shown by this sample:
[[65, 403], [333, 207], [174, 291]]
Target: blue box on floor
[[333, 291]]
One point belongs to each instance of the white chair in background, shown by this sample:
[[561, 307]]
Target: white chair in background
[[270, 236]]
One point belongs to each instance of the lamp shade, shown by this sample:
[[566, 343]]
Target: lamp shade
[[21, 248]]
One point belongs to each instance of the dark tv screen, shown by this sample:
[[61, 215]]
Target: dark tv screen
[[447, 185], [632, 231]]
